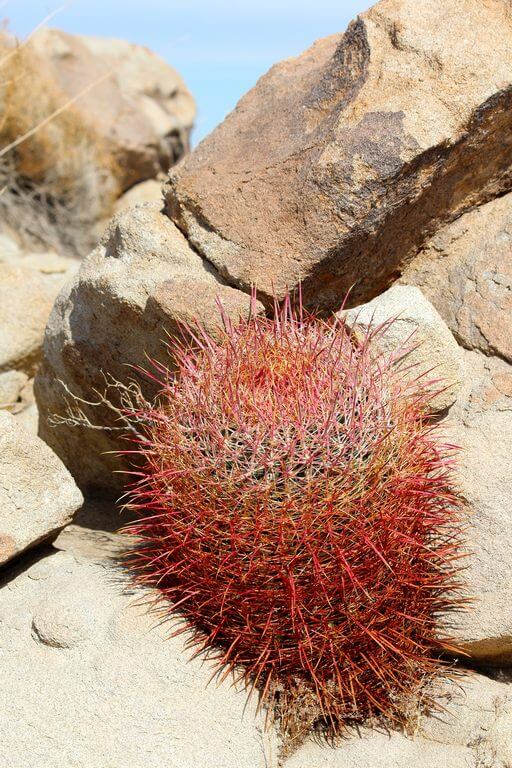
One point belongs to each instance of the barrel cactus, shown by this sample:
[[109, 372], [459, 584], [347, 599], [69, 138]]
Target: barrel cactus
[[296, 510]]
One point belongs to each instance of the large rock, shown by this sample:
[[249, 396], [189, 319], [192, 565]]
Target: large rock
[[410, 324], [339, 164], [26, 299], [142, 109], [141, 283], [90, 679], [481, 424], [37, 494], [465, 269]]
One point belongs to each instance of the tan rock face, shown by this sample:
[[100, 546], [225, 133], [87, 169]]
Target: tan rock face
[[37, 494], [54, 267], [336, 167], [434, 354], [26, 299], [143, 109], [481, 424], [12, 384], [149, 191], [137, 286], [465, 269], [28, 418]]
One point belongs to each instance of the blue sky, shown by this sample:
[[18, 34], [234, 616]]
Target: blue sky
[[220, 47]]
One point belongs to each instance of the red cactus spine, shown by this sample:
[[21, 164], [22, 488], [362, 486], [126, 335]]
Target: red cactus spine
[[296, 508]]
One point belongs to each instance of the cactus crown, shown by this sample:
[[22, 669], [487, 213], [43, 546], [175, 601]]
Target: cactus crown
[[296, 509]]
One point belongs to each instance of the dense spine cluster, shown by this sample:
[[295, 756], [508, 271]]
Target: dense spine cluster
[[296, 509]]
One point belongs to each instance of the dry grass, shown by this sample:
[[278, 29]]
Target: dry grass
[[55, 170]]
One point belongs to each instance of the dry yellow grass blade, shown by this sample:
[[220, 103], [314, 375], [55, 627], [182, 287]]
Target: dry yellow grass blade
[[6, 56], [53, 115]]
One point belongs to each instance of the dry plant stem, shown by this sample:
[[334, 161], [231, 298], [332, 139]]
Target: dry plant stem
[[19, 45], [32, 132], [125, 395]]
